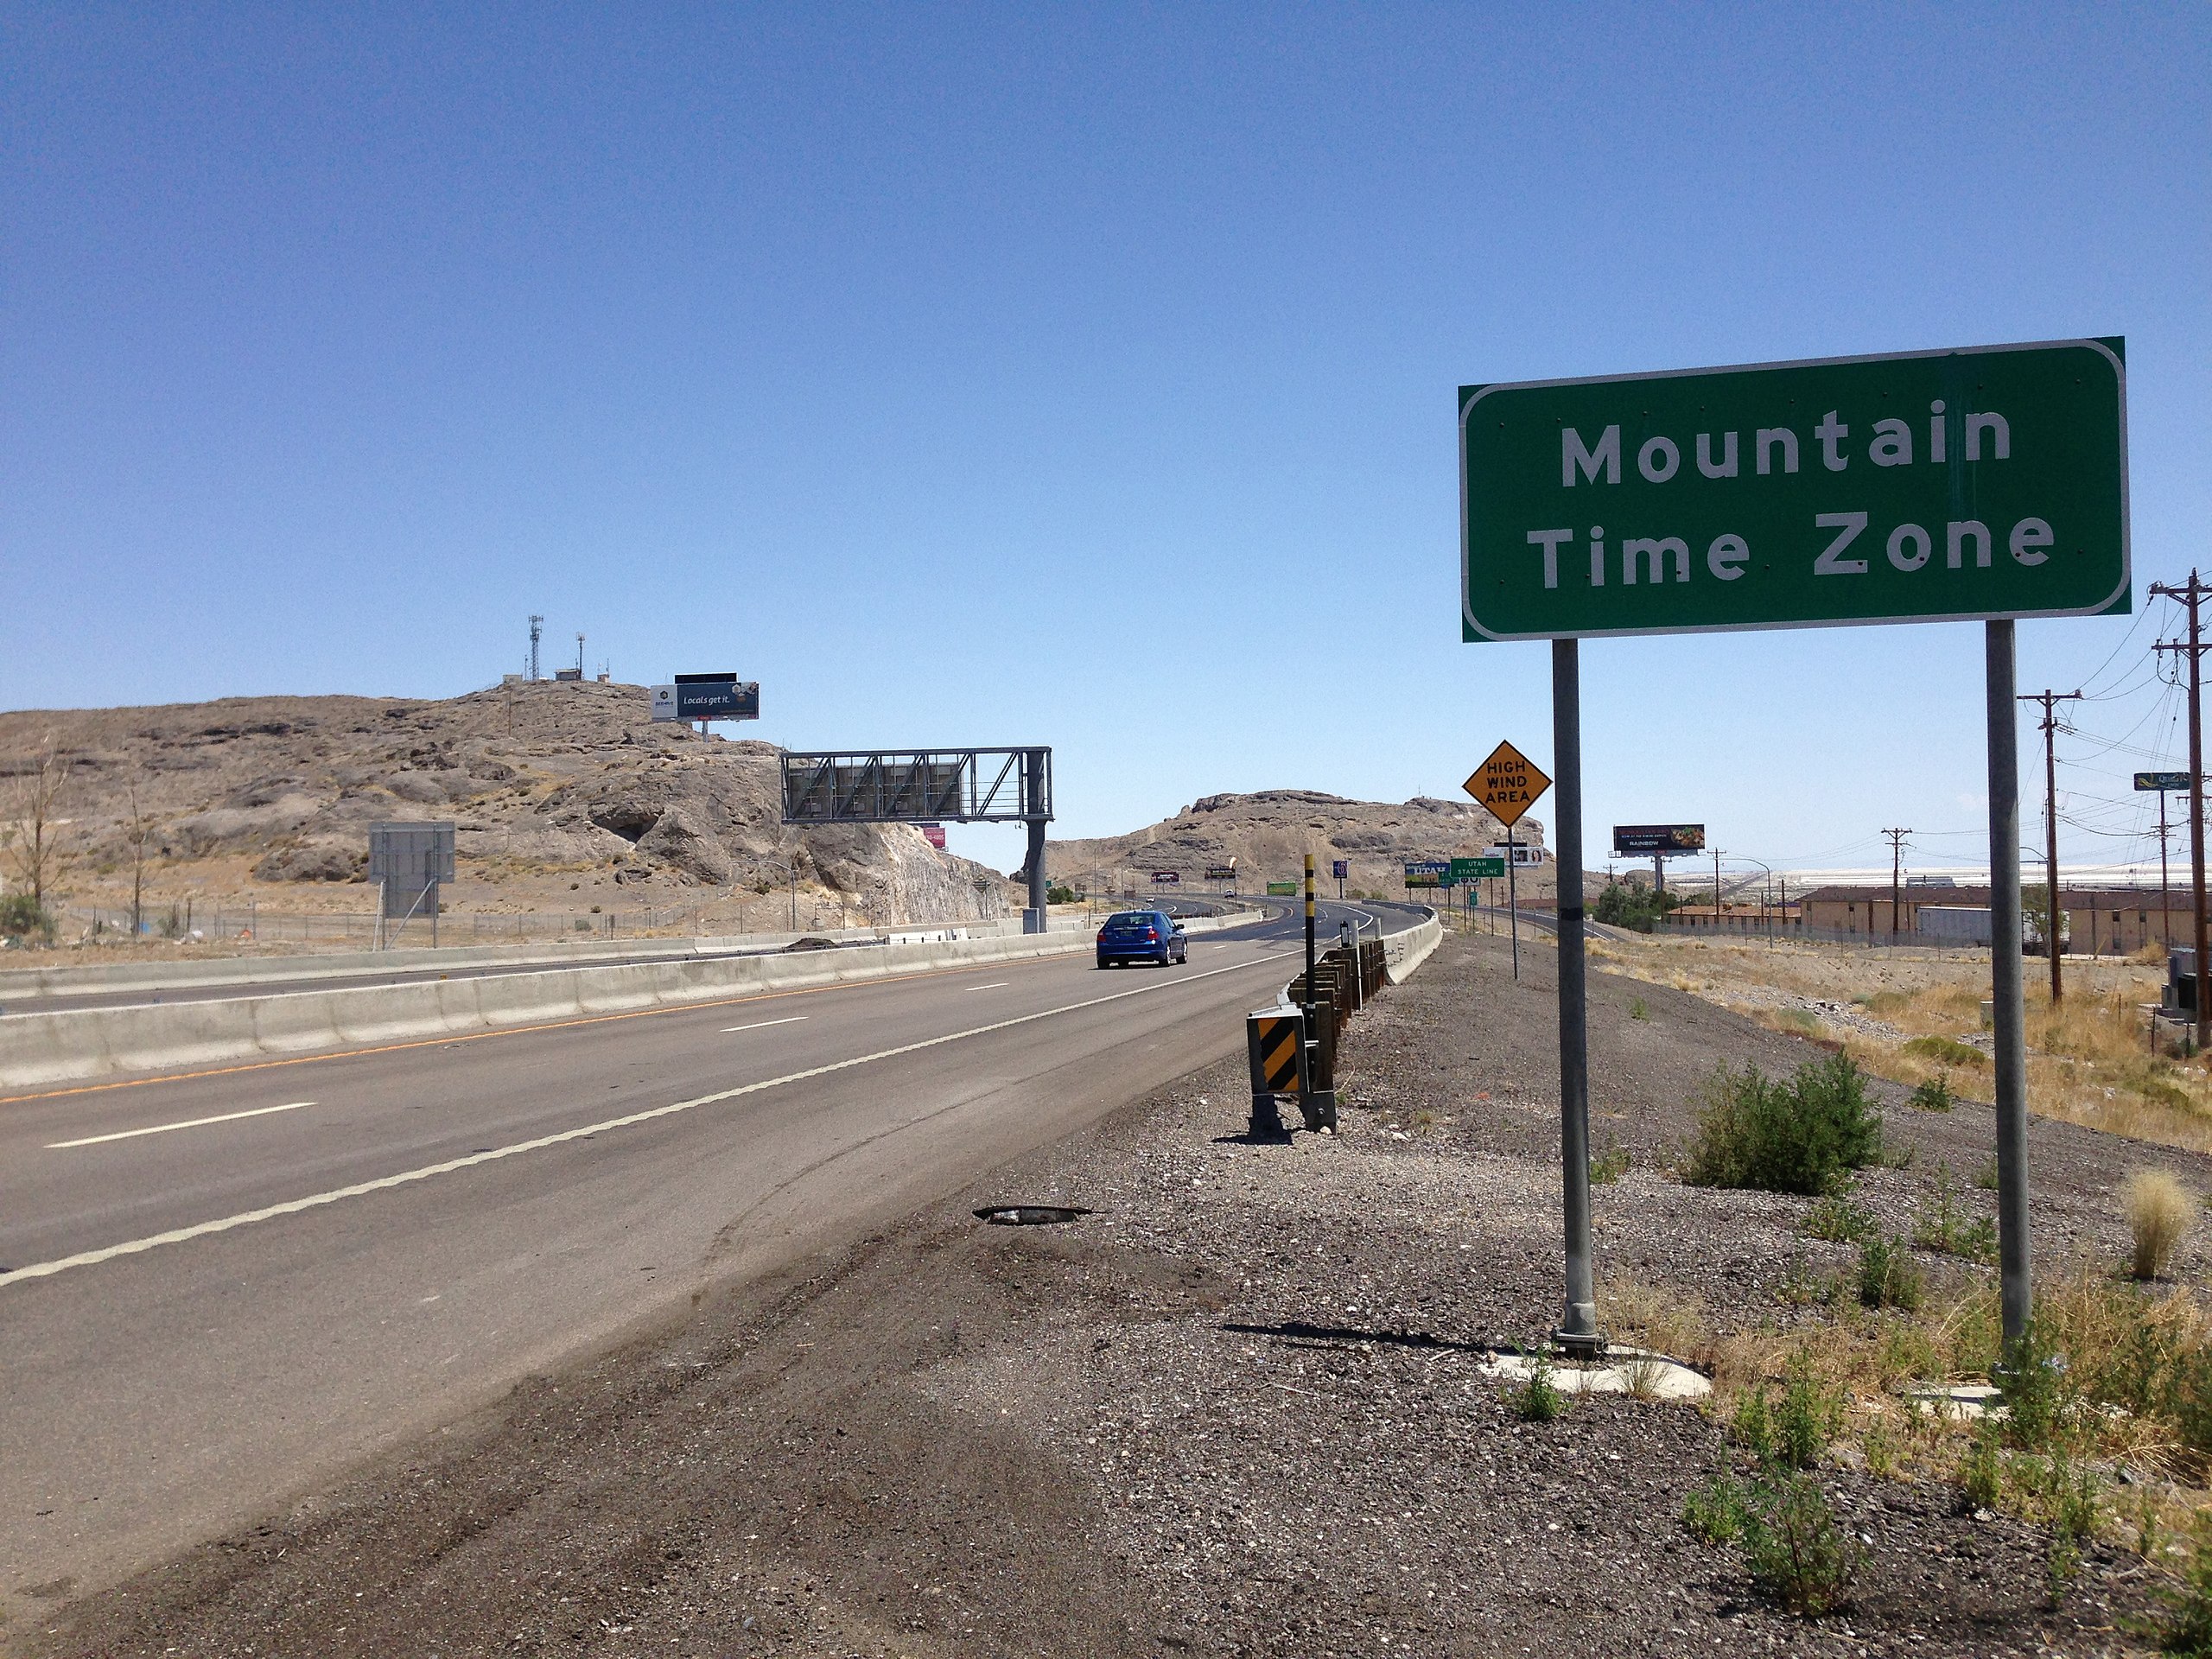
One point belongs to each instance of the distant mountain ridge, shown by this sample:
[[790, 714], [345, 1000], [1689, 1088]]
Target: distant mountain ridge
[[554, 788], [1269, 832]]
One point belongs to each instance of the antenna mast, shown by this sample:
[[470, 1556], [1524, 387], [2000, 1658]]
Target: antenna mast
[[537, 625]]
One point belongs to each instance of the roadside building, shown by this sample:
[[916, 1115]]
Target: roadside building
[[2099, 921], [1760, 920]]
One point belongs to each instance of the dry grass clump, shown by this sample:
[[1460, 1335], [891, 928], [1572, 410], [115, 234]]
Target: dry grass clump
[[1640, 1313], [2158, 1212]]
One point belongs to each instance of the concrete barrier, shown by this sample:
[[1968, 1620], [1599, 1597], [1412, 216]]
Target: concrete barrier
[[1406, 951], [66, 1045], [84, 980]]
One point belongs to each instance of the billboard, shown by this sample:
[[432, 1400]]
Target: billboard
[[1222, 872], [2162, 781], [1645, 840], [934, 834], [1166, 879], [716, 696], [1282, 889], [1429, 873]]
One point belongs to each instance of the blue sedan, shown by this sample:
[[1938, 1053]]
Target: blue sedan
[[1141, 936]]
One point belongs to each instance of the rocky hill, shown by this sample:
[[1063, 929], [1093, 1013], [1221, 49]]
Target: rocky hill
[[1269, 833], [559, 791]]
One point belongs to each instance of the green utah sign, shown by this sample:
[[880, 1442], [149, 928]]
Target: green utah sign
[[1476, 869], [1924, 486]]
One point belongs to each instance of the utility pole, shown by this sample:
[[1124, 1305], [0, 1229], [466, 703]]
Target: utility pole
[[1896, 870], [2193, 595], [2050, 700]]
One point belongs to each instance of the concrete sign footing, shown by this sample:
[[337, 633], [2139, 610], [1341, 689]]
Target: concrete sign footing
[[1623, 1370]]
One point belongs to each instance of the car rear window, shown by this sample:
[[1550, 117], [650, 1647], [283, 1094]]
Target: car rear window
[[1133, 918]]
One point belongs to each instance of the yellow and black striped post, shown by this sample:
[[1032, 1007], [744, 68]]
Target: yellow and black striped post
[[1318, 1104], [1275, 1040]]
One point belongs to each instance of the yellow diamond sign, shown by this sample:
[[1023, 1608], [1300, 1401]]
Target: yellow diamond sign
[[1507, 784]]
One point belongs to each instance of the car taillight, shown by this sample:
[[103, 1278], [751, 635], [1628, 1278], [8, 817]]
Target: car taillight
[[1102, 936], [1152, 934]]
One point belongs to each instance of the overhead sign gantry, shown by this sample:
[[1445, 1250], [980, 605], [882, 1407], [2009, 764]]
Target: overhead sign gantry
[[930, 786]]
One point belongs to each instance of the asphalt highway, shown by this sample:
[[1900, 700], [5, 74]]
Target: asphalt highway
[[221, 1287]]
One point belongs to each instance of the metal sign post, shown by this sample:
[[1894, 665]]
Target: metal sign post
[[1985, 484], [1578, 1332]]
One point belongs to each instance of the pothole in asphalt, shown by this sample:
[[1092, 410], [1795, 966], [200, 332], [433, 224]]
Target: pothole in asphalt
[[1028, 1215]]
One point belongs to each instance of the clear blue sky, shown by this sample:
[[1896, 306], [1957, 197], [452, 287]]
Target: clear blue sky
[[1029, 374]]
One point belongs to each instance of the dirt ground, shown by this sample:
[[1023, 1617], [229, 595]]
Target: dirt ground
[[1235, 1410]]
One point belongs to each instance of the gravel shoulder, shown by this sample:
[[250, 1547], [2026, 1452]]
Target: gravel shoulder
[[1235, 1410]]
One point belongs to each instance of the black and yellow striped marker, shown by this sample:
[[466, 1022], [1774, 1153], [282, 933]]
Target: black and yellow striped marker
[[1278, 1044]]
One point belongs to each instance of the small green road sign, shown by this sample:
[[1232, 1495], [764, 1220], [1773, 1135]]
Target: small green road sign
[[1282, 889], [1476, 869], [1923, 486]]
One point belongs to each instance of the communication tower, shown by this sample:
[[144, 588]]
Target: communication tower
[[537, 625]]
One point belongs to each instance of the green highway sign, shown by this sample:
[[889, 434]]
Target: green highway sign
[[1282, 889], [1476, 869], [1923, 486]]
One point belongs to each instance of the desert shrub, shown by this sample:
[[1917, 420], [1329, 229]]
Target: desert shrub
[[1538, 1399], [1943, 1226], [1714, 1512], [1982, 1474], [1933, 1094], [2158, 1212], [2153, 1087], [1887, 1277], [1805, 1135], [1946, 1051], [1838, 1220], [1796, 1551], [2184, 1627], [1635, 907], [21, 918], [1789, 1430], [1609, 1166], [2038, 1386]]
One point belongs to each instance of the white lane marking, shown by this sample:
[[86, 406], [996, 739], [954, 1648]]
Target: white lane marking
[[1217, 947], [762, 1025], [163, 1128], [409, 1177], [995, 985]]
